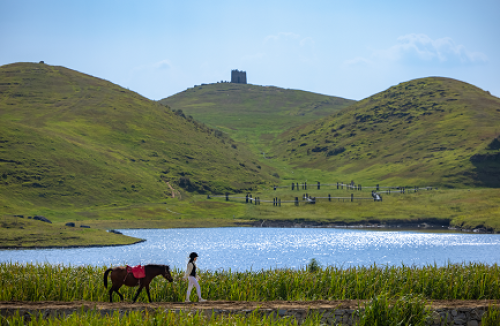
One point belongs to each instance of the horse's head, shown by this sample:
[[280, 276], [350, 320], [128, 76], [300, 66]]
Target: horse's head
[[166, 274]]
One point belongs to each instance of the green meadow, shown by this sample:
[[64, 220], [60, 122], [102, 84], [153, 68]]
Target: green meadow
[[75, 148], [252, 114]]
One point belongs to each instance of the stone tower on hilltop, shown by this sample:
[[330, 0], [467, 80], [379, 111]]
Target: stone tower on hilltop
[[238, 77]]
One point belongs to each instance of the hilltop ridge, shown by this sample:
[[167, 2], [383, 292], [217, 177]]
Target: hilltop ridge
[[434, 130], [72, 140], [253, 114]]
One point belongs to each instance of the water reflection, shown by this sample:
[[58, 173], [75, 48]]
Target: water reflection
[[264, 248]]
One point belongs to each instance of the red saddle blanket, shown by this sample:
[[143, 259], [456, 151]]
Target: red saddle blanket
[[138, 271]]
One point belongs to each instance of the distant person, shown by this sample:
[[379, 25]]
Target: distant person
[[192, 277]]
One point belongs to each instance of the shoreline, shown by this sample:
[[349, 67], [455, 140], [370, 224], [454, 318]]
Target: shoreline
[[423, 225], [70, 247]]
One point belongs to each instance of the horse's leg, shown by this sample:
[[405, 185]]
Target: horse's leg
[[137, 293], [121, 296], [147, 291], [114, 289]]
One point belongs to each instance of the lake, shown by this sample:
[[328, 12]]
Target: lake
[[266, 248]]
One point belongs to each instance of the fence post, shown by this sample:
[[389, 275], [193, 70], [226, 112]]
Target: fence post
[[377, 187], [296, 201], [352, 197], [227, 196], [318, 185], [246, 199], [329, 197], [274, 188], [337, 185], [251, 198], [305, 185], [293, 185], [208, 196]]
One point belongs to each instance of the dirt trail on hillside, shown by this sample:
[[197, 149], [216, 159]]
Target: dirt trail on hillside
[[227, 305], [173, 190]]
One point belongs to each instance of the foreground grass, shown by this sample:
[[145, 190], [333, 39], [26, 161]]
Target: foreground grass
[[396, 295], [45, 282], [406, 311], [159, 317]]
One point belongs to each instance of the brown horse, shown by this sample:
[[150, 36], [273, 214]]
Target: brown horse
[[119, 276]]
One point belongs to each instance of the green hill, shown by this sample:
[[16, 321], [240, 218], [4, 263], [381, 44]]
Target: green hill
[[70, 141], [253, 114], [429, 131]]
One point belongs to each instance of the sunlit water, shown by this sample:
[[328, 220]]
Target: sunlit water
[[265, 248]]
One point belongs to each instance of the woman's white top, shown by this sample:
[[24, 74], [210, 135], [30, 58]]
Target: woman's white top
[[189, 269]]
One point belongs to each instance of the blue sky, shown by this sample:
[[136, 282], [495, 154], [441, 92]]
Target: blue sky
[[350, 49]]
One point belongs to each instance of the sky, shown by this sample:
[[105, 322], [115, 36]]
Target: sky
[[351, 49]]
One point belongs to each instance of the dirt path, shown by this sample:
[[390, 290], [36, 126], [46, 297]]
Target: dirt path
[[226, 305], [173, 190]]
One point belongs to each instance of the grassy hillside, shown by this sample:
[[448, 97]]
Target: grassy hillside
[[429, 131], [253, 114], [72, 142]]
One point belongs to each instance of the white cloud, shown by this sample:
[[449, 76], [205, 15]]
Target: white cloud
[[358, 61], [164, 64], [290, 47], [422, 48], [281, 36], [418, 49]]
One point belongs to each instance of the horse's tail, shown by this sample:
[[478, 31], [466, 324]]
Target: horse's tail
[[106, 277]]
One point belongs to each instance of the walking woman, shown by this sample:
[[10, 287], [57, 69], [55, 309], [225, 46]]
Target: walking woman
[[192, 277]]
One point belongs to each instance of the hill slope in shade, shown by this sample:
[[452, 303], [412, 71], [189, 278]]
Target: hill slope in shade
[[68, 139], [253, 114], [435, 131]]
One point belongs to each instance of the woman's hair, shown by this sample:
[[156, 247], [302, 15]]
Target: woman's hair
[[192, 256]]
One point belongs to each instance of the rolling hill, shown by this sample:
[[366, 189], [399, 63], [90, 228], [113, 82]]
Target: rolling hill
[[253, 114], [69, 140], [429, 131]]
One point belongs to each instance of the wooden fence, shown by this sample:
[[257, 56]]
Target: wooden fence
[[376, 194]]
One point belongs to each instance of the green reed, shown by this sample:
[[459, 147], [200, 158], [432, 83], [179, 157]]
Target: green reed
[[37, 282], [379, 311], [383, 310], [158, 317], [491, 317]]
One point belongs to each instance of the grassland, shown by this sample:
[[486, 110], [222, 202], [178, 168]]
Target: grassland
[[28, 233], [77, 140], [75, 148], [72, 144], [388, 295], [45, 282], [437, 131], [252, 114]]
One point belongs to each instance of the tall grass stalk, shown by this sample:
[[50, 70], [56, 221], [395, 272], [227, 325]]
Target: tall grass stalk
[[37, 282], [158, 317]]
